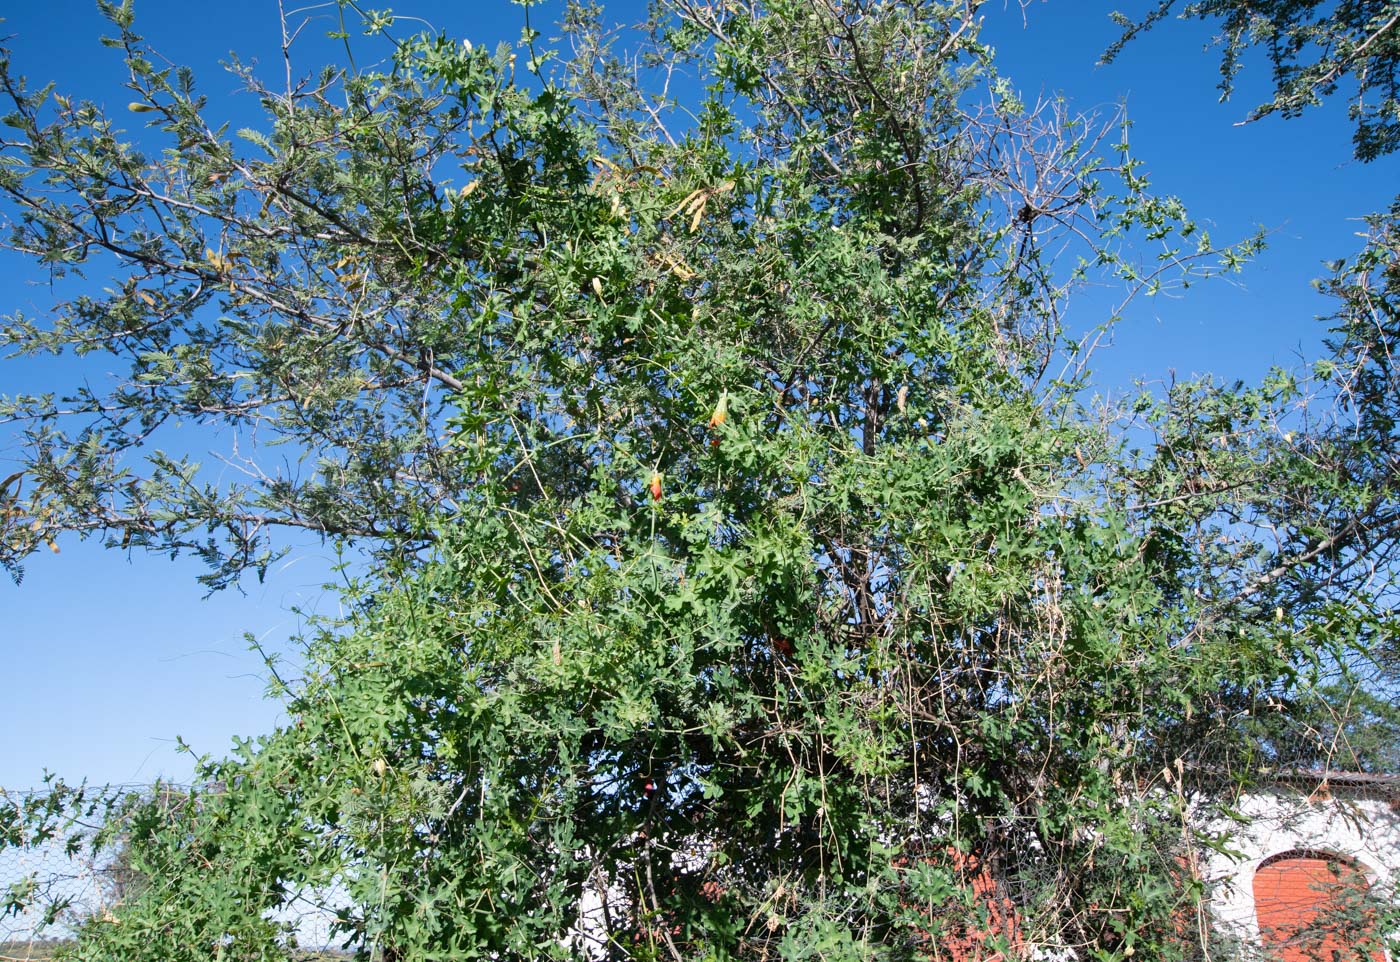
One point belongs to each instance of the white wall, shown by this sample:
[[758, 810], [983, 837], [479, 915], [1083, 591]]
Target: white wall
[[1352, 823]]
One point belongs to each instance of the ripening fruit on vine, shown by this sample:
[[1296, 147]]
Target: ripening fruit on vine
[[721, 412], [655, 486]]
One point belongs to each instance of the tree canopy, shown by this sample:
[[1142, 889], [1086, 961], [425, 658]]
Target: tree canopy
[[1313, 49], [757, 579]]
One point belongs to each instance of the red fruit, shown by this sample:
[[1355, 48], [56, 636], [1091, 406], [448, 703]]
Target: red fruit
[[655, 487]]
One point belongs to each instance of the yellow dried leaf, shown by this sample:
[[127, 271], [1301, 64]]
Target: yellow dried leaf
[[677, 267], [689, 199]]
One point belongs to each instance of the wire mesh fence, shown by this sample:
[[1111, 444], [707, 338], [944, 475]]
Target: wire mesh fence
[[52, 875], [64, 865]]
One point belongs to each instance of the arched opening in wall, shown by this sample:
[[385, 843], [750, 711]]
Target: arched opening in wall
[[1315, 907]]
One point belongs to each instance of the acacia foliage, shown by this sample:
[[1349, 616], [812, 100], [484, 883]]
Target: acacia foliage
[[1313, 49], [296, 289], [779, 571], [1319, 52]]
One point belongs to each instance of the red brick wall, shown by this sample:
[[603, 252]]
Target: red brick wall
[[964, 934], [1311, 908]]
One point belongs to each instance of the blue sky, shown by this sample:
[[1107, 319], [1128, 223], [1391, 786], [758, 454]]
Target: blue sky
[[111, 657], [1294, 178]]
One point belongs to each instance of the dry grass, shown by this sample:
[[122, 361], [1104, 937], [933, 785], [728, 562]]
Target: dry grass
[[26, 951], [41, 951]]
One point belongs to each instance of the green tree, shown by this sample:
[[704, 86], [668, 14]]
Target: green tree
[[286, 287], [780, 592], [1313, 49], [1319, 51]]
